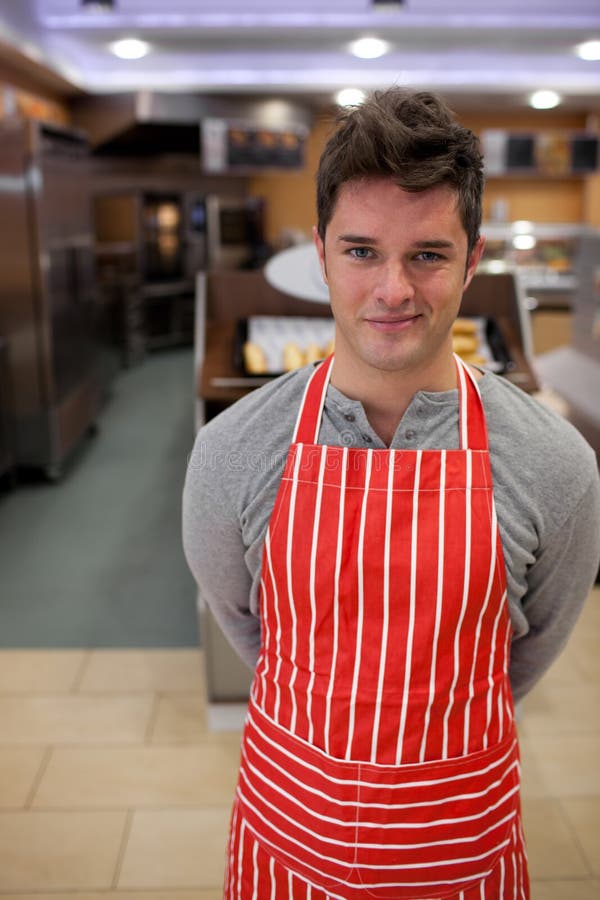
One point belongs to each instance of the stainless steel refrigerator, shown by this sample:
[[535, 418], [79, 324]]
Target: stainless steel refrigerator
[[47, 291]]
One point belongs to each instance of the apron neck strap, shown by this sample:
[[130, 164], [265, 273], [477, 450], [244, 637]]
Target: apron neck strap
[[472, 427], [309, 418]]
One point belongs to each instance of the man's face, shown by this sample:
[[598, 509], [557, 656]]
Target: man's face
[[396, 266]]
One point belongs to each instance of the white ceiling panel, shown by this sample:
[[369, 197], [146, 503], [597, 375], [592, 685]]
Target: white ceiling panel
[[467, 48]]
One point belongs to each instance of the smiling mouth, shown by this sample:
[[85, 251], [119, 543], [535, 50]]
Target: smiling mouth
[[392, 323]]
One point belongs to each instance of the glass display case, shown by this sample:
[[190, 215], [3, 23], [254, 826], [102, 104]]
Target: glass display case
[[548, 258]]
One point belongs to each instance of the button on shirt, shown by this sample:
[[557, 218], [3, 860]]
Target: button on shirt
[[342, 412]]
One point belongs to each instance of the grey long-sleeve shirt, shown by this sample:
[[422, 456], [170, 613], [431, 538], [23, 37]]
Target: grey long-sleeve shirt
[[546, 490]]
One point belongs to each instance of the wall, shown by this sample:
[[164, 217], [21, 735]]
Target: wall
[[290, 196]]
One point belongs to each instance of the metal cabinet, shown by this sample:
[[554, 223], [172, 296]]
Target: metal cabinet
[[47, 290]]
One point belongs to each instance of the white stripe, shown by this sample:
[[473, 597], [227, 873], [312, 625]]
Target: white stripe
[[265, 618], [353, 824], [481, 890], [438, 601], [255, 872], [229, 877], [484, 607], [272, 877], [290, 587], [366, 806], [361, 604], [386, 604], [377, 866], [412, 609], [336, 597], [240, 859], [316, 751], [464, 430], [463, 609], [278, 631], [502, 877], [290, 886], [514, 861], [313, 599], [491, 682]]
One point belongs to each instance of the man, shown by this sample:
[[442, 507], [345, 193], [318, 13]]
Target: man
[[387, 537]]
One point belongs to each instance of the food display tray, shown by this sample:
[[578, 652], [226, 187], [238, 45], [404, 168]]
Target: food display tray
[[272, 333]]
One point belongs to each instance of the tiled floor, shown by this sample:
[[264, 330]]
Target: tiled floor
[[112, 788]]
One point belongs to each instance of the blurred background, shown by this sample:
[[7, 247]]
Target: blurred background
[[157, 167]]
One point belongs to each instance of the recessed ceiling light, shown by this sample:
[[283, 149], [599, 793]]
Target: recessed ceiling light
[[544, 99], [130, 48], [350, 97], [98, 5], [369, 48], [589, 50]]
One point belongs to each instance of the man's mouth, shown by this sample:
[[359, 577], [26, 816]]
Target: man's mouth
[[392, 323]]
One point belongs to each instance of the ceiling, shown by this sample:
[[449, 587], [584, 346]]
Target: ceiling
[[474, 52]]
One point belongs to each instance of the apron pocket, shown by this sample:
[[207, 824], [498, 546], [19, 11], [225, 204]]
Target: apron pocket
[[438, 828], [390, 832]]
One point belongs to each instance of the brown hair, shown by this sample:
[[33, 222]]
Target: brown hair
[[410, 137]]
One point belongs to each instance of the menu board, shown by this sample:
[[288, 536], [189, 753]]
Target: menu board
[[234, 146], [555, 153]]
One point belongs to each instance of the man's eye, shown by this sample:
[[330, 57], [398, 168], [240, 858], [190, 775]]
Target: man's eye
[[360, 252], [429, 256]]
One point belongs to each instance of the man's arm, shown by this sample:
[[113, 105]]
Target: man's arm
[[215, 552], [558, 585]]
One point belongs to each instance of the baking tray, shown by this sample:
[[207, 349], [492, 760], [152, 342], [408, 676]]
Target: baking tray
[[273, 332]]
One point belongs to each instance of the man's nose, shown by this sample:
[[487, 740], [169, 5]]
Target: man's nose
[[394, 284]]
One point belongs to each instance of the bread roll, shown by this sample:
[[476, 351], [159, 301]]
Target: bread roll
[[255, 361], [293, 357], [312, 353], [475, 359], [464, 326], [463, 343]]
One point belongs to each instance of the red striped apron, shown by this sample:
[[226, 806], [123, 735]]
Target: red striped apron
[[379, 755]]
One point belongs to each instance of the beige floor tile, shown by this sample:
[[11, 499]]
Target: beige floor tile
[[589, 621], [565, 890], [39, 670], [127, 671], [18, 769], [117, 777], [562, 766], [532, 780], [59, 851], [180, 718], [585, 645], [176, 849], [74, 719], [584, 815], [555, 709], [199, 894], [551, 848]]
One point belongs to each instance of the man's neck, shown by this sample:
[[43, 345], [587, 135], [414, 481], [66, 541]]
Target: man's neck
[[384, 395]]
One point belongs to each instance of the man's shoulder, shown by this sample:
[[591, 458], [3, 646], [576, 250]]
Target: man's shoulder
[[535, 439]]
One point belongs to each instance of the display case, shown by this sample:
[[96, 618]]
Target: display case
[[548, 259]]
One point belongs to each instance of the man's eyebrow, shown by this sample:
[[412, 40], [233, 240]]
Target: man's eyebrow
[[436, 244], [433, 244], [356, 239]]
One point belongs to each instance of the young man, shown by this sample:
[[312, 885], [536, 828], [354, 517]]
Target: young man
[[388, 537]]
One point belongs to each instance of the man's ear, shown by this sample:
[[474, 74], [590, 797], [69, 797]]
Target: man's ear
[[473, 260], [320, 252]]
